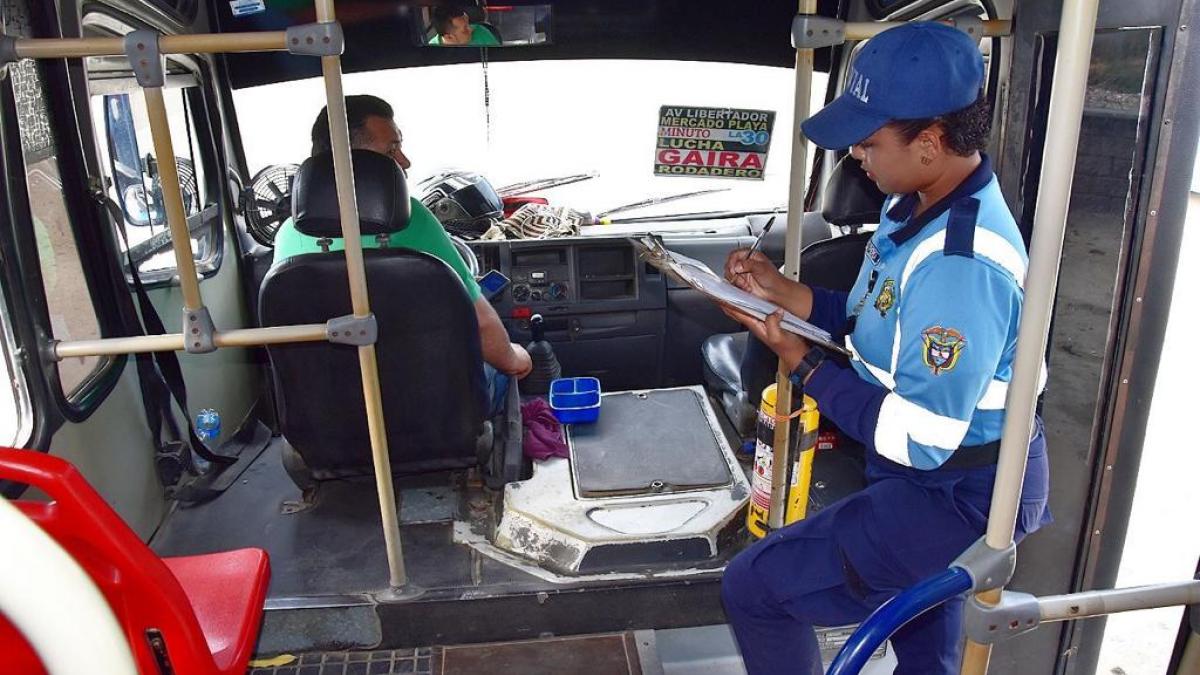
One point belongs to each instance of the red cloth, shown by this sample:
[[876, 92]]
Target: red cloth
[[543, 436]]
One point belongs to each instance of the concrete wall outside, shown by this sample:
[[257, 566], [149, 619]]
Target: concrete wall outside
[[1106, 143]]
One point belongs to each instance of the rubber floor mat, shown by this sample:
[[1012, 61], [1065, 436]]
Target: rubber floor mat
[[384, 662], [663, 440]]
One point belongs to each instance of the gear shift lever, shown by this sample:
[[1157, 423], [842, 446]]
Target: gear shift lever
[[545, 363]]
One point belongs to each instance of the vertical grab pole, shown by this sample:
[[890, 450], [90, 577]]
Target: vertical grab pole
[[1076, 28], [339, 136], [181, 238], [791, 269]]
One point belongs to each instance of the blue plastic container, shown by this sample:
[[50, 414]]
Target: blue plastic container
[[575, 400]]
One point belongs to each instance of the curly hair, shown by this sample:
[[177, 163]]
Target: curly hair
[[965, 130]]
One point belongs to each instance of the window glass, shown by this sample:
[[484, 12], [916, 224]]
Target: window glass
[[68, 299], [133, 179], [523, 136]]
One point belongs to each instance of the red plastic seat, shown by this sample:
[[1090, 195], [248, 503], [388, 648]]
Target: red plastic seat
[[207, 608]]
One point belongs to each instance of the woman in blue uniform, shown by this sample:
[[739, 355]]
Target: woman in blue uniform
[[932, 324]]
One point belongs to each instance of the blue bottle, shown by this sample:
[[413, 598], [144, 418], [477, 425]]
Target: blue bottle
[[208, 425]]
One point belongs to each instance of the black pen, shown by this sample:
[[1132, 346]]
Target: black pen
[[758, 241], [761, 235]]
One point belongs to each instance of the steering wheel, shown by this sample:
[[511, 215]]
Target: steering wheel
[[467, 254]]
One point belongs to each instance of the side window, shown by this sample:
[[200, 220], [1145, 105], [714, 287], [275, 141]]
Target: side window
[[133, 181], [68, 298]]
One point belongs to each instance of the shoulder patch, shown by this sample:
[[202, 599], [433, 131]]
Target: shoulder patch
[[942, 347], [960, 227]]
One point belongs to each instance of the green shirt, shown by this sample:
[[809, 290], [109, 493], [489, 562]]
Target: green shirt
[[424, 233], [480, 37]]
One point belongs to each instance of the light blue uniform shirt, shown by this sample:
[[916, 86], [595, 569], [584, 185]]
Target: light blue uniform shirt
[[937, 302]]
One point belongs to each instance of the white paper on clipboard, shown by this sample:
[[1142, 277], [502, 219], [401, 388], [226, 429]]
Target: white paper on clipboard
[[698, 275]]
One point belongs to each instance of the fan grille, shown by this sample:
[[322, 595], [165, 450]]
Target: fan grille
[[269, 202]]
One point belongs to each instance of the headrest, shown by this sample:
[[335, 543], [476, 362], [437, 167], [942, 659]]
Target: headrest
[[851, 199], [379, 189]]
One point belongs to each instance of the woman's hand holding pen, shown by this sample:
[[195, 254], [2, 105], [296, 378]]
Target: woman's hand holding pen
[[754, 273]]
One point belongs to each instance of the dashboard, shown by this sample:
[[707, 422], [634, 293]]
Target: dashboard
[[604, 310]]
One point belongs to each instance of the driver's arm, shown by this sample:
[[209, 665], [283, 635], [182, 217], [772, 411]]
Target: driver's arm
[[501, 354]]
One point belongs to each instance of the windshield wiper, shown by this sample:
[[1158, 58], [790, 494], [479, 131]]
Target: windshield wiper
[[659, 200], [528, 186], [699, 215]]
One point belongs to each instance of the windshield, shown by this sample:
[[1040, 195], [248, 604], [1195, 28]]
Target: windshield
[[549, 119]]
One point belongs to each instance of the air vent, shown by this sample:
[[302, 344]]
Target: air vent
[[489, 256]]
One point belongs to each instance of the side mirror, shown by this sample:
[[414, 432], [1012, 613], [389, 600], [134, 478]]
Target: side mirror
[[461, 25], [136, 177], [129, 176]]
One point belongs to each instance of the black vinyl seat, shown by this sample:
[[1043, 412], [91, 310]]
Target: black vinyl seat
[[435, 397], [737, 367]]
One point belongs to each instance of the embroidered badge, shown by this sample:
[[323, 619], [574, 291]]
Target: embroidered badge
[[886, 297], [872, 252], [943, 346]]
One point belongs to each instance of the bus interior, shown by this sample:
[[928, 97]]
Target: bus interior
[[608, 560]]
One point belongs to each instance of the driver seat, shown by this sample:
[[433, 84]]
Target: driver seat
[[737, 367], [435, 397]]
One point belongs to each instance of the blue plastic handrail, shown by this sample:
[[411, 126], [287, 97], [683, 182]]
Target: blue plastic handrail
[[893, 614]]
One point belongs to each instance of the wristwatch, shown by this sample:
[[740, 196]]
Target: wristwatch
[[812, 359]]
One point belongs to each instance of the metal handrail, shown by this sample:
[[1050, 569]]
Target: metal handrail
[[893, 614], [1077, 27], [801, 103], [152, 47], [43, 589]]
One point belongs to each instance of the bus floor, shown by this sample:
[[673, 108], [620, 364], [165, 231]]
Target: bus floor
[[329, 585], [606, 654], [703, 650]]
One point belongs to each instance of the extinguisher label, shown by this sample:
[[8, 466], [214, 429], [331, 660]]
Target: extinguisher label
[[764, 454], [760, 482]]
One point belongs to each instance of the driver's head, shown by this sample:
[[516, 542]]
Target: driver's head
[[452, 23], [372, 127]]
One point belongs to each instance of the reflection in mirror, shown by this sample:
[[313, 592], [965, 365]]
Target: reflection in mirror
[[126, 159], [459, 24], [136, 177]]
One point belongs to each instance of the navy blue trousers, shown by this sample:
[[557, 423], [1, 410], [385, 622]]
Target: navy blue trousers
[[497, 383], [835, 568]]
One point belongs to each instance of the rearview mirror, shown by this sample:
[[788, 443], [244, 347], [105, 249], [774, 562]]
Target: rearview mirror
[[463, 25]]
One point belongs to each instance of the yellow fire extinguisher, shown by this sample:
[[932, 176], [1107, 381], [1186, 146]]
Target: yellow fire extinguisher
[[802, 445]]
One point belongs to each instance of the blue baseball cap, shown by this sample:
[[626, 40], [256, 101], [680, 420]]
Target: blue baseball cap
[[914, 71]]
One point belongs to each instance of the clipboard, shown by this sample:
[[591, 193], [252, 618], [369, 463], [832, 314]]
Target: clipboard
[[699, 276]]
